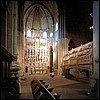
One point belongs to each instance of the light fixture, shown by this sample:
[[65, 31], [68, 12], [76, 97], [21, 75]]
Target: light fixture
[[91, 27]]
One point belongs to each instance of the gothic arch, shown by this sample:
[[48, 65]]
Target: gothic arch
[[71, 44], [38, 3]]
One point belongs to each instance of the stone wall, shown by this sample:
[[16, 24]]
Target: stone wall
[[80, 59]]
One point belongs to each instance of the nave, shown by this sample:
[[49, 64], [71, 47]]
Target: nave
[[77, 23], [69, 89]]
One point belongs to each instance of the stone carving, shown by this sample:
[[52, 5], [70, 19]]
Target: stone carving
[[80, 55]]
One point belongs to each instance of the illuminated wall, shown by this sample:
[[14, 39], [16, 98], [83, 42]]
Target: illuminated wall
[[37, 51]]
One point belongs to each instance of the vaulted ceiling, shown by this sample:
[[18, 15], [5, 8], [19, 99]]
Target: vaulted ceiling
[[40, 15], [78, 14]]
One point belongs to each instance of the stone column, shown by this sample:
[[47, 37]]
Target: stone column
[[9, 30], [3, 23], [59, 42], [15, 28], [12, 27], [65, 34], [96, 38], [62, 33], [13, 33], [51, 58], [61, 38], [95, 76], [20, 34]]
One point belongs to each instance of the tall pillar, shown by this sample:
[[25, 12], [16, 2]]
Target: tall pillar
[[96, 38], [20, 34], [59, 42], [13, 39], [95, 49], [9, 30], [15, 28], [62, 46], [62, 32], [12, 27], [65, 34], [3, 23], [51, 58]]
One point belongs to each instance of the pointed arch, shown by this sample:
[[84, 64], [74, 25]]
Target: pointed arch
[[71, 44], [34, 4]]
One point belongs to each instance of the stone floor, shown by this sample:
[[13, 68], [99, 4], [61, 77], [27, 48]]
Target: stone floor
[[69, 89]]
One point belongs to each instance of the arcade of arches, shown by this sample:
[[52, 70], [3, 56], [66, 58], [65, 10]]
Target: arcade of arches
[[51, 36]]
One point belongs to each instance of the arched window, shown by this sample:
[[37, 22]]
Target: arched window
[[56, 32], [51, 34], [45, 35], [56, 28], [28, 33]]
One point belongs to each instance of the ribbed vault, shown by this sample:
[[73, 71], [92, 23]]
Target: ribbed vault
[[38, 17]]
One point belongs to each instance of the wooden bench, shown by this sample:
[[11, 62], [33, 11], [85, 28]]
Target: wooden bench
[[40, 91], [9, 89]]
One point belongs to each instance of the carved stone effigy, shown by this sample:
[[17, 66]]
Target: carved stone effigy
[[78, 61], [85, 54], [81, 55]]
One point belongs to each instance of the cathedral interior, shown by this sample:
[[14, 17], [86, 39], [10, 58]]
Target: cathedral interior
[[49, 49]]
